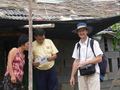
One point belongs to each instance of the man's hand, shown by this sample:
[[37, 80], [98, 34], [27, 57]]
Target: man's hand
[[53, 57], [50, 58], [72, 81], [80, 64], [36, 64]]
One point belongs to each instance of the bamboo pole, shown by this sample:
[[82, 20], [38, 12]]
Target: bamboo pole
[[30, 57], [40, 26], [30, 77]]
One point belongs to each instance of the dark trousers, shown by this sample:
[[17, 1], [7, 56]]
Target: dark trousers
[[46, 79]]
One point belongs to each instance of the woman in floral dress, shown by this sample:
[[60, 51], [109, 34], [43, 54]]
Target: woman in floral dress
[[16, 59]]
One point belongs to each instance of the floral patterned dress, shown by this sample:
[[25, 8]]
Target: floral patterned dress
[[18, 64]]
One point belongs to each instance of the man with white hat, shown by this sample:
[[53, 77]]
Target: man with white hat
[[84, 56]]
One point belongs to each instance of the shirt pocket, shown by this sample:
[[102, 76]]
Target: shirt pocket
[[89, 53]]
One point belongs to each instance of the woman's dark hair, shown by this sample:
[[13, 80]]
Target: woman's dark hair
[[39, 32], [22, 40]]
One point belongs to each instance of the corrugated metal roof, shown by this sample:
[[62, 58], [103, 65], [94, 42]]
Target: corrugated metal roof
[[23, 15], [15, 14]]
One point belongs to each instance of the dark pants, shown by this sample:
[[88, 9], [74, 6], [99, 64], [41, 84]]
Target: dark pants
[[46, 79]]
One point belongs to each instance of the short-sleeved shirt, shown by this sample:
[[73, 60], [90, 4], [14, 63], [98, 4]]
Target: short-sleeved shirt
[[18, 64], [41, 50], [86, 53]]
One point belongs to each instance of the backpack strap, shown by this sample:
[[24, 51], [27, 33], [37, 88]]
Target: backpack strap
[[91, 45], [78, 47]]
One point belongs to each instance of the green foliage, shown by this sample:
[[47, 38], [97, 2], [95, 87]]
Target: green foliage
[[116, 39], [114, 27], [116, 44]]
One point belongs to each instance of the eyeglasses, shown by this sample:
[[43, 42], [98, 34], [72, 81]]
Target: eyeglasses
[[82, 30]]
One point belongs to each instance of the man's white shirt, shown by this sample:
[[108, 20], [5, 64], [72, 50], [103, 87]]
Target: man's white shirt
[[86, 53]]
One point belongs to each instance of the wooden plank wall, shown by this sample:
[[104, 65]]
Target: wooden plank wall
[[113, 63]]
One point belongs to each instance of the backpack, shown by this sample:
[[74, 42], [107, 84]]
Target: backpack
[[102, 65]]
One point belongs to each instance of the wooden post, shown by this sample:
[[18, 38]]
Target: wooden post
[[30, 77], [115, 79]]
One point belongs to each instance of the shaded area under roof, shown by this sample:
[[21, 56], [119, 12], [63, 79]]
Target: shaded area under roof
[[62, 29]]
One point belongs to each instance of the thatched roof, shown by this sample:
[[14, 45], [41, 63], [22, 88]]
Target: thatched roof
[[71, 7]]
